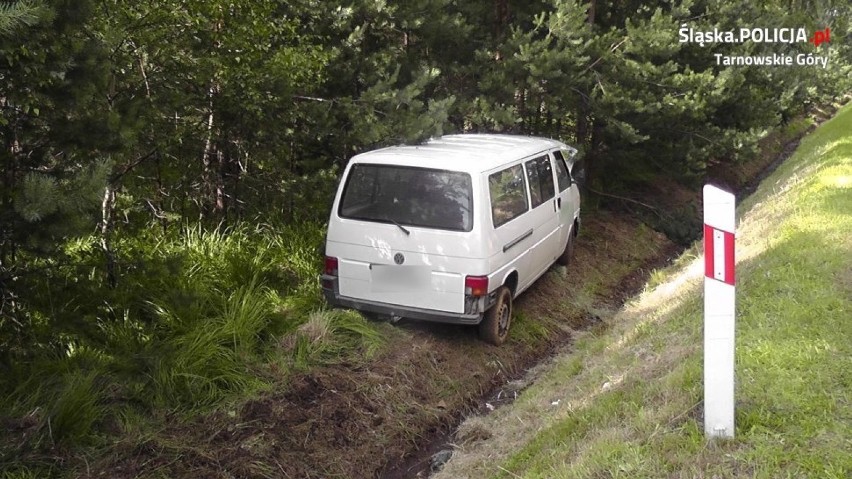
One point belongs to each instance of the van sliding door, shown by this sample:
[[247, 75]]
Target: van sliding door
[[508, 193], [544, 213]]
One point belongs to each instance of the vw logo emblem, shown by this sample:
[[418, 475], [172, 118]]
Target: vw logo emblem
[[398, 258]]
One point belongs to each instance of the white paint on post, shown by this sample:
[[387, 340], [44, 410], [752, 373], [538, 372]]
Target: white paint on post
[[719, 312]]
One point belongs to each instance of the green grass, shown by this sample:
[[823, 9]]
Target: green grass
[[627, 403], [328, 334], [197, 319]]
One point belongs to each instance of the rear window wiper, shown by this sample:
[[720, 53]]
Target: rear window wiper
[[404, 230]]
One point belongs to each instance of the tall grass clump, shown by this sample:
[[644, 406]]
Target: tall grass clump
[[192, 318], [328, 333], [300, 248], [196, 317], [245, 314], [61, 404], [202, 358], [285, 258], [76, 410]]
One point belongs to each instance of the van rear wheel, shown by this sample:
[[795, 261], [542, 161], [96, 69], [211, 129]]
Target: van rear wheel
[[568, 253], [494, 327]]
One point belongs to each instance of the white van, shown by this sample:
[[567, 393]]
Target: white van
[[451, 230]]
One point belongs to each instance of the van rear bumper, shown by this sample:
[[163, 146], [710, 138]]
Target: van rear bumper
[[333, 297]]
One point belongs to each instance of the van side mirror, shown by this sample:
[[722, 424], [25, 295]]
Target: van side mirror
[[571, 153]]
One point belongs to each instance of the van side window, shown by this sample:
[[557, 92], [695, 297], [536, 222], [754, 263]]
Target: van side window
[[508, 194], [541, 180], [562, 175]]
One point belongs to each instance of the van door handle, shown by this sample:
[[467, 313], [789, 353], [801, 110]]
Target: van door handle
[[517, 240], [558, 203]]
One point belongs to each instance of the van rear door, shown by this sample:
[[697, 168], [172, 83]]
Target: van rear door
[[404, 236]]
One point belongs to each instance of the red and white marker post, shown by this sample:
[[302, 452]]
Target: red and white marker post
[[719, 312]]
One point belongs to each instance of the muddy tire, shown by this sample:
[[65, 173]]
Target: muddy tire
[[568, 253], [494, 327]]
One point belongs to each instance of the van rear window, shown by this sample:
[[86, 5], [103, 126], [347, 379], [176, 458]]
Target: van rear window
[[408, 196]]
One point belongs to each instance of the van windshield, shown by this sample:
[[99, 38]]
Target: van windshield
[[408, 196]]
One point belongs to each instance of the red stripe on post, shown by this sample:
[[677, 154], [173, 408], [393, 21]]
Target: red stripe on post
[[729, 258], [708, 251]]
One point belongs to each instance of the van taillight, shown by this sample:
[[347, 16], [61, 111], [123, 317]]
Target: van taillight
[[476, 285], [331, 265]]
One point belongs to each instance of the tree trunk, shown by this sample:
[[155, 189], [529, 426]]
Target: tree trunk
[[521, 106], [221, 176], [240, 166], [159, 197], [590, 18], [9, 179], [8, 303], [581, 131], [501, 17], [594, 167], [290, 199], [584, 111], [208, 155], [107, 209]]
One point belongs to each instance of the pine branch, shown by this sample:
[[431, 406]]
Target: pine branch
[[133, 164], [14, 16]]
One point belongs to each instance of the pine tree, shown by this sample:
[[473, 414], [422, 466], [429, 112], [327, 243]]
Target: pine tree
[[54, 132]]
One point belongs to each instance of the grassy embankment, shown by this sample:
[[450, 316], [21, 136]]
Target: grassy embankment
[[627, 402]]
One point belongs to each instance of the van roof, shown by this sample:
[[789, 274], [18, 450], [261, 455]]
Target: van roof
[[471, 153]]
